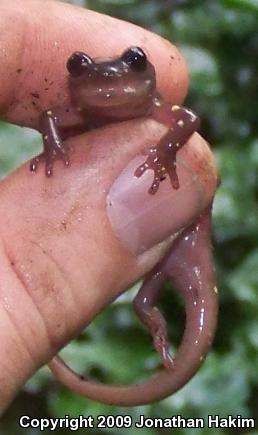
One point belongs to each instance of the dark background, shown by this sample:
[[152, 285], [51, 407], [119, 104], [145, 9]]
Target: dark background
[[220, 42]]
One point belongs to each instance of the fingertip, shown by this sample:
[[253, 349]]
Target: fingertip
[[46, 34], [199, 153], [171, 69]]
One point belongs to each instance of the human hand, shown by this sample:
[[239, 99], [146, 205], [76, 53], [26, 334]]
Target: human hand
[[65, 252]]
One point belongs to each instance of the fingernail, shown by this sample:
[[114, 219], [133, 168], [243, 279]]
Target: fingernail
[[141, 220]]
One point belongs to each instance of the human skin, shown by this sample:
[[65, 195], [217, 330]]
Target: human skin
[[61, 257]]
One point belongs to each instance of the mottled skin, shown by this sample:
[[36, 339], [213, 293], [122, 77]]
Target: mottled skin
[[111, 91]]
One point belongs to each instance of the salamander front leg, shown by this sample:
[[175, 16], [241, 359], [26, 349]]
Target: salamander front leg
[[146, 309], [54, 148], [181, 123]]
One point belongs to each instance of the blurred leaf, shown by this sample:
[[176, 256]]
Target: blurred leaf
[[204, 70], [244, 280], [235, 208], [245, 5], [17, 145]]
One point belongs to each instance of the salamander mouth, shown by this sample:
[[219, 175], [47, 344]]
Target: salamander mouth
[[113, 96], [115, 100]]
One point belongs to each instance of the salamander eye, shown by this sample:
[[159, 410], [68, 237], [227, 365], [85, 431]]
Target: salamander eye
[[77, 63], [135, 58]]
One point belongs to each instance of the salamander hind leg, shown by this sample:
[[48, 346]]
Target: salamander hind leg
[[151, 316], [54, 148]]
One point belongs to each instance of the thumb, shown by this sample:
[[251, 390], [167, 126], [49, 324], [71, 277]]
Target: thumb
[[74, 242]]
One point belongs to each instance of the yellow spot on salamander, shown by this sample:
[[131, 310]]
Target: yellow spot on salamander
[[180, 123], [157, 102], [175, 107]]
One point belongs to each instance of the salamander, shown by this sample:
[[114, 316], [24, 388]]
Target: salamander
[[113, 90]]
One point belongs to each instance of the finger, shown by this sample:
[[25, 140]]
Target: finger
[[33, 54]]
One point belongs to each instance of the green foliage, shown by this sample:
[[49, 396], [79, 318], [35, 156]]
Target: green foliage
[[219, 40]]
